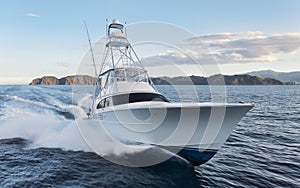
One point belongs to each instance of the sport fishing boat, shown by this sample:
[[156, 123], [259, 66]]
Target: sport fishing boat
[[131, 109]]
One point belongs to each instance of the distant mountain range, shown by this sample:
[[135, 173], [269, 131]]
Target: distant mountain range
[[184, 80], [281, 76]]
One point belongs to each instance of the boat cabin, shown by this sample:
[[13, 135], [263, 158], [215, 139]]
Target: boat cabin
[[126, 85]]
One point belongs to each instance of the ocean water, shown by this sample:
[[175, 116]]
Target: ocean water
[[40, 145]]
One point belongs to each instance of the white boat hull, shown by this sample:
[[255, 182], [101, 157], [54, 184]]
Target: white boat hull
[[195, 131]]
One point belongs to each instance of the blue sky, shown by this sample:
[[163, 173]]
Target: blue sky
[[47, 37]]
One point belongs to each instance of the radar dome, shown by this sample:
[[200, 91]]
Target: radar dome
[[116, 21]]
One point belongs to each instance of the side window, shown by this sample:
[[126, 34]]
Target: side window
[[108, 102], [101, 104], [111, 77], [103, 80]]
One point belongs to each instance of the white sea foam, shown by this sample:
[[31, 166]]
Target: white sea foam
[[44, 130], [45, 118], [44, 127]]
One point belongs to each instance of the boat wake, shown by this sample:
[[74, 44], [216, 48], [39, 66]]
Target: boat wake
[[44, 130], [48, 121], [49, 132]]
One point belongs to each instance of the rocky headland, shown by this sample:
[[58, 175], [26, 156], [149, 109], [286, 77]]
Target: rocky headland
[[68, 80], [182, 80]]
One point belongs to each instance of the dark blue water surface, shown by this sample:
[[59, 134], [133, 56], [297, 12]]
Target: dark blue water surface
[[40, 145]]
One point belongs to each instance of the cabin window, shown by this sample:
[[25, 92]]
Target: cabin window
[[101, 104], [111, 77], [120, 74], [131, 75], [137, 97], [107, 102]]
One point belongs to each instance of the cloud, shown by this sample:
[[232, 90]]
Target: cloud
[[32, 15], [235, 48], [63, 64], [247, 47]]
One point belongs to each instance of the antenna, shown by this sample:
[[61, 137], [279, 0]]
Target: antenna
[[125, 28], [106, 26], [91, 49]]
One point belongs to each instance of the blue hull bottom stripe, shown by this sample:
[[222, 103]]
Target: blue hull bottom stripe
[[195, 157]]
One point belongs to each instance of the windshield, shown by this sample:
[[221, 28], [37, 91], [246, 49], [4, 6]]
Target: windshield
[[122, 74], [131, 75]]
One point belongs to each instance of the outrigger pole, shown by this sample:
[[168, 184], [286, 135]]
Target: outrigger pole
[[91, 110], [91, 49]]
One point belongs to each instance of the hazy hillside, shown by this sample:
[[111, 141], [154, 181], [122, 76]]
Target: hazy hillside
[[282, 76]]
